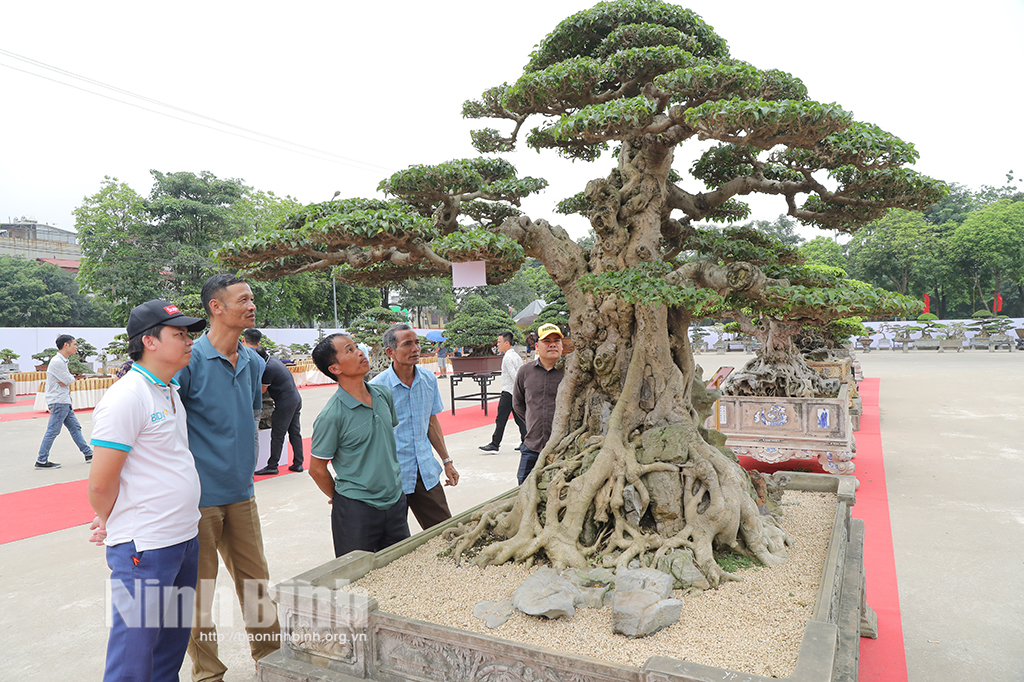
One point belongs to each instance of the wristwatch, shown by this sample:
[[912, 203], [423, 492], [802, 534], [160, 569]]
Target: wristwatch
[[446, 460]]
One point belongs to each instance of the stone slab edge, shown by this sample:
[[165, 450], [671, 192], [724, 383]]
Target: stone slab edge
[[815, 662]]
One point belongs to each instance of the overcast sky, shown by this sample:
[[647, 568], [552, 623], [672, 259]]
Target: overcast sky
[[369, 88]]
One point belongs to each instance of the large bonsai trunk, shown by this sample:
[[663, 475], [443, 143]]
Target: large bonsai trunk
[[626, 474], [778, 368]]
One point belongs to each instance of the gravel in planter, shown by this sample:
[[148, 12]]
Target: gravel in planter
[[753, 626]]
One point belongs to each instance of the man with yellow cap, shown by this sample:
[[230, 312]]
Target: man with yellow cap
[[533, 396]]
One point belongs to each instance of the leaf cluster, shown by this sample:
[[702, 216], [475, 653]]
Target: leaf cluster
[[476, 326]]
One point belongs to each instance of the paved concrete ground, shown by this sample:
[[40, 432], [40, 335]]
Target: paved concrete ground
[[951, 426]]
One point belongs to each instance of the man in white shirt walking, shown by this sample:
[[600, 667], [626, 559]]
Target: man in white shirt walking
[[58, 400], [510, 364]]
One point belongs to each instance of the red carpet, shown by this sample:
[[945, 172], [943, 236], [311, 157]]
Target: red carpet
[[883, 659], [64, 505]]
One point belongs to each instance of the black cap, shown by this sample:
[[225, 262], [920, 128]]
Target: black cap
[[151, 313]]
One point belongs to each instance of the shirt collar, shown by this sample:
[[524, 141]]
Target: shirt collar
[[348, 400], [149, 376], [391, 380], [208, 352]]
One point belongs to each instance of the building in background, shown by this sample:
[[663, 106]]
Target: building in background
[[27, 237]]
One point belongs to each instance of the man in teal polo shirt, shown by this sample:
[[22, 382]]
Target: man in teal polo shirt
[[220, 389], [355, 433]]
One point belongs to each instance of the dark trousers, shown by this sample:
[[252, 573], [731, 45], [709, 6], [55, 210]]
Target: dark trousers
[[430, 507], [285, 421], [527, 459], [504, 410], [357, 525]]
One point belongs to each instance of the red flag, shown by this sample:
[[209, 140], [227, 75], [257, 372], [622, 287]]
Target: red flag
[[999, 302], [927, 303]]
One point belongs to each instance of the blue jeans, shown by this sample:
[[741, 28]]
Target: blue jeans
[[152, 604], [527, 459], [61, 414]]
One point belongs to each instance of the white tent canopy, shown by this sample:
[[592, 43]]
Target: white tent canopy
[[530, 312]]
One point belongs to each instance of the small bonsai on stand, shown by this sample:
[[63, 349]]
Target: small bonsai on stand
[[476, 326], [8, 360]]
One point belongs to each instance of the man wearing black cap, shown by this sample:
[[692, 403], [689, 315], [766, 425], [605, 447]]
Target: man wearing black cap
[[144, 489]]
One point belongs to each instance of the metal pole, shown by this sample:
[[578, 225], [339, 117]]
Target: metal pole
[[334, 288]]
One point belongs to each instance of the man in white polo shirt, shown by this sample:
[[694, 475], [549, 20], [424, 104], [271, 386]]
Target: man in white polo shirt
[[144, 489]]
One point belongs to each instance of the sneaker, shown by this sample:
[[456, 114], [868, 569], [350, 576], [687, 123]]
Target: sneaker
[[519, 447], [88, 458], [296, 468], [490, 447], [266, 471], [47, 465]]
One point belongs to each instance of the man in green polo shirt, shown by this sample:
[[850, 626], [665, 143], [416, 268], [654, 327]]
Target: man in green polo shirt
[[355, 433]]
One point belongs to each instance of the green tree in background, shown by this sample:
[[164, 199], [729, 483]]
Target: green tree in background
[[990, 242], [121, 259], [34, 294], [892, 251], [824, 251]]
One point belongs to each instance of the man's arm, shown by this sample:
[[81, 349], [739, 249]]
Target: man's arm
[[436, 438], [104, 486], [322, 476], [519, 395], [61, 373]]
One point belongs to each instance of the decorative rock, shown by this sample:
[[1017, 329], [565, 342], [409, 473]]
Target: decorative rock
[[493, 613], [546, 593], [631, 504], [649, 579], [593, 585], [666, 491], [638, 613], [679, 564]]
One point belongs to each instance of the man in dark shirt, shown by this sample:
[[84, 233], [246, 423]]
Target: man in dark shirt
[[533, 396], [279, 384]]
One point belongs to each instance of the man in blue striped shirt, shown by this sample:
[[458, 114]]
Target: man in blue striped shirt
[[417, 402]]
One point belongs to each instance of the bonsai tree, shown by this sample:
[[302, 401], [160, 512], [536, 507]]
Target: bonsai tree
[[116, 349], [369, 328], [8, 356], [953, 330], [986, 324], [642, 78], [477, 324], [85, 350], [927, 323], [300, 348], [43, 357], [555, 312]]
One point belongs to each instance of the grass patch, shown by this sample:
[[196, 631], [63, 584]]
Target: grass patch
[[730, 563]]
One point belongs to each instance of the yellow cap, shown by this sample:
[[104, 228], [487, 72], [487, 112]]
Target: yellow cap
[[547, 330]]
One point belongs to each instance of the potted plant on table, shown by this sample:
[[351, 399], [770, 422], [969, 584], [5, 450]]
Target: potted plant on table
[[475, 328], [927, 324], [952, 337]]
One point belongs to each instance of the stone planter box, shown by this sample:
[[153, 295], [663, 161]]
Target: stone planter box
[[775, 430], [999, 340], [9, 368], [329, 635], [951, 344], [483, 364], [926, 344], [843, 370]]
